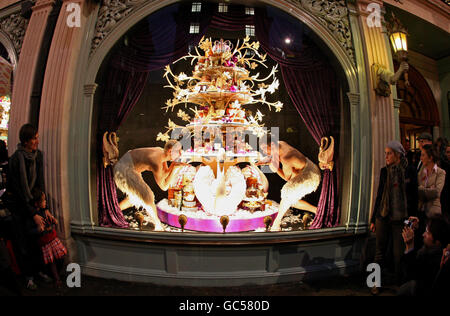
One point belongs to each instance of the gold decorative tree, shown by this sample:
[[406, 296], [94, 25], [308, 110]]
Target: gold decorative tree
[[211, 102], [220, 86]]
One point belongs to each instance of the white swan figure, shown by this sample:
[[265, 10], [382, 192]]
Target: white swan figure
[[222, 195]]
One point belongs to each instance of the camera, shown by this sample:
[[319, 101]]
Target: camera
[[408, 223]]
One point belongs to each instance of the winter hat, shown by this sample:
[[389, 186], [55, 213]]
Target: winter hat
[[397, 147], [426, 136]]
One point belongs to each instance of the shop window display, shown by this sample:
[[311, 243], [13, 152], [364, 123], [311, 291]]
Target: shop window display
[[5, 105], [5, 92], [245, 161]]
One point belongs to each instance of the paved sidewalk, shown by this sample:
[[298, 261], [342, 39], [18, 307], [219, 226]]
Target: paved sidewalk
[[336, 286]]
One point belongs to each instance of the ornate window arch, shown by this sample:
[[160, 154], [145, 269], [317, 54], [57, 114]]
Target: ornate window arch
[[113, 21], [8, 52], [330, 21], [418, 109]]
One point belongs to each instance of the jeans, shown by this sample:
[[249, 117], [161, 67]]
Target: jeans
[[388, 231]]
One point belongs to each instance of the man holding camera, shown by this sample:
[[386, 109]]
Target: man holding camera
[[427, 269]]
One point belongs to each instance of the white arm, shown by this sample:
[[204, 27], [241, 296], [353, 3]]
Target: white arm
[[404, 67]]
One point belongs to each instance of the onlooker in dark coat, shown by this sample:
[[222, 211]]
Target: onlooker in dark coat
[[409, 154], [424, 139], [421, 267], [3, 152], [8, 281], [447, 153], [25, 172], [441, 145], [441, 284], [396, 200], [7, 276], [3, 163], [445, 194]]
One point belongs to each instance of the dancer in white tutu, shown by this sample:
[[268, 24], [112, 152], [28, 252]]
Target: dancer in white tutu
[[128, 176], [301, 174]]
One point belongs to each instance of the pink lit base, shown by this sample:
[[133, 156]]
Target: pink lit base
[[241, 221]]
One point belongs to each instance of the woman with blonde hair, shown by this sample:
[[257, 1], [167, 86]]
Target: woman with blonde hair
[[395, 202]]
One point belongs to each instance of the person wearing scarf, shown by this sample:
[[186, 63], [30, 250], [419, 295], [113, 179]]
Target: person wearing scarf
[[396, 201], [25, 173], [445, 194]]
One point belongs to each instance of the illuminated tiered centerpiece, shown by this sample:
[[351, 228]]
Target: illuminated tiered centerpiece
[[217, 195]]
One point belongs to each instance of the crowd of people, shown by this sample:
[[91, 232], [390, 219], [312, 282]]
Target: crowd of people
[[29, 226], [411, 217]]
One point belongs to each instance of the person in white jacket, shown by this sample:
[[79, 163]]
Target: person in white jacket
[[431, 181]]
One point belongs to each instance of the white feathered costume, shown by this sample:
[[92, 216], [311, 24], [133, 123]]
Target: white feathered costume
[[306, 182], [133, 185]]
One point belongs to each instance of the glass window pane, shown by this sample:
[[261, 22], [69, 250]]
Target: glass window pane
[[196, 7], [194, 28], [223, 7], [250, 30], [196, 89]]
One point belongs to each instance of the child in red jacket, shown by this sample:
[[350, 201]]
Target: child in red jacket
[[52, 248]]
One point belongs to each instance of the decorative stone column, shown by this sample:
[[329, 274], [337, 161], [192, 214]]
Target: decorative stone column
[[397, 103], [381, 108], [82, 217], [354, 99], [55, 108], [361, 145], [26, 70]]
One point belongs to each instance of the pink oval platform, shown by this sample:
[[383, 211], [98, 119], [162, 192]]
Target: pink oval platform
[[209, 223]]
